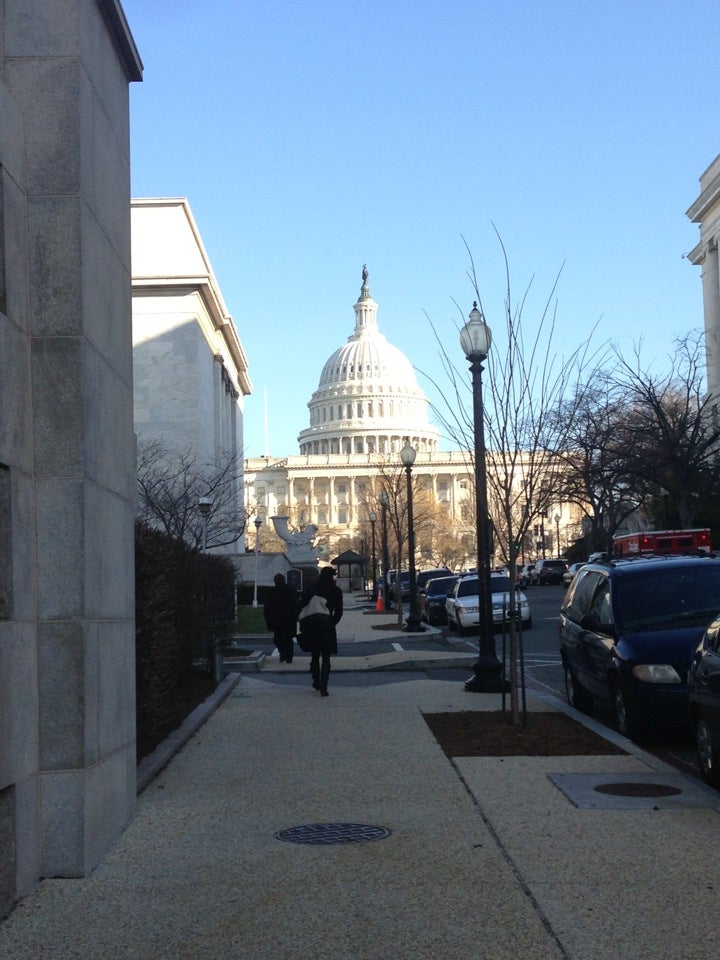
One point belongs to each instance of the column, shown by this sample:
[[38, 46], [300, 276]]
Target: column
[[711, 309]]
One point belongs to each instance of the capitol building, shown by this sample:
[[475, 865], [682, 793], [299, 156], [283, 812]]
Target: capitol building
[[366, 407]]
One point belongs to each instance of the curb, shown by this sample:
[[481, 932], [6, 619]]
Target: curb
[[149, 767]]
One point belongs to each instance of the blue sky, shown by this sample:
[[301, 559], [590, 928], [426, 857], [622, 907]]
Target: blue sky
[[311, 138]]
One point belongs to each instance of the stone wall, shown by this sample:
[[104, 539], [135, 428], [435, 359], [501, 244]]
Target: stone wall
[[67, 764]]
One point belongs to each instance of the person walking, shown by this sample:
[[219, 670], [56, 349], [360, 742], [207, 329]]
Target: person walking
[[323, 605], [280, 611]]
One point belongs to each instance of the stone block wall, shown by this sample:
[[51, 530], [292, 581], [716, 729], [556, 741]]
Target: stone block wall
[[67, 763]]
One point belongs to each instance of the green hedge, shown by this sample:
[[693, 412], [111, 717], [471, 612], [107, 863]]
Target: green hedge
[[183, 600]]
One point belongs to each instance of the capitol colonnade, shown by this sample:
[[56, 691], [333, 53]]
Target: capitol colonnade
[[340, 491]]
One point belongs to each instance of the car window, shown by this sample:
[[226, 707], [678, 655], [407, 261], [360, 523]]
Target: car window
[[657, 598], [499, 584], [440, 585], [712, 636], [600, 606], [467, 588], [580, 594]]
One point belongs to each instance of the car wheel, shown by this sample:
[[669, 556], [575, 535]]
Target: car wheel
[[707, 755], [626, 715], [527, 624], [577, 696]]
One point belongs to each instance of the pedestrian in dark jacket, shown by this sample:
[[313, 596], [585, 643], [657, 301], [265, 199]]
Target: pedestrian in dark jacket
[[320, 627], [281, 610]]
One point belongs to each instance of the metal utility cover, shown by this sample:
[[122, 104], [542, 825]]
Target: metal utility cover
[[634, 791], [327, 833]]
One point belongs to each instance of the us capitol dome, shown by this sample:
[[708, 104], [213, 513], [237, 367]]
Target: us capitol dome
[[368, 400]]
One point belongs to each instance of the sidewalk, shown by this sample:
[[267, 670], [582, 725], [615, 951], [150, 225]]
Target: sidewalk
[[361, 628], [483, 858]]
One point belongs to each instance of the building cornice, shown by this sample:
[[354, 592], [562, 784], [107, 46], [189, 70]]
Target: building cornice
[[706, 201], [119, 29]]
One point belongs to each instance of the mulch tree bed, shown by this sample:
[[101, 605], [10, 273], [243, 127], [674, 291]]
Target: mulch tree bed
[[478, 733]]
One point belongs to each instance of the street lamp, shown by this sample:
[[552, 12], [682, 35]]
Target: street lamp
[[258, 523], [664, 494], [373, 520], [205, 506], [413, 623], [556, 518], [384, 503], [475, 340], [217, 664]]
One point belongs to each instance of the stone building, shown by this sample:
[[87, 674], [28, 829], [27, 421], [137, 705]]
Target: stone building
[[706, 212], [67, 464], [190, 370]]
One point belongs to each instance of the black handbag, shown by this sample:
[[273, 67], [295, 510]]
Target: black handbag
[[305, 643]]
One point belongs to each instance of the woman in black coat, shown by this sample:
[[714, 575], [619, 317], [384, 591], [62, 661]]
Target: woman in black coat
[[281, 610], [320, 630]]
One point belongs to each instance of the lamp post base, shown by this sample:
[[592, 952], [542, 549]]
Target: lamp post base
[[414, 624], [487, 672]]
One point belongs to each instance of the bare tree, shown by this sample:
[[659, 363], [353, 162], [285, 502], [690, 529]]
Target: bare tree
[[526, 383], [595, 458], [171, 485], [670, 435]]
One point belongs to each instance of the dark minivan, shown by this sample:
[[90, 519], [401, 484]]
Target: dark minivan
[[627, 630]]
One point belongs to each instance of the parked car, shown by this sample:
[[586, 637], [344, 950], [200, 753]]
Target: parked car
[[422, 578], [526, 574], [570, 573], [704, 697], [549, 571], [627, 629], [390, 594], [462, 604], [432, 597]]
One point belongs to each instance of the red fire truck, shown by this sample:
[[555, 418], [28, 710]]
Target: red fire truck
[[662, 542]]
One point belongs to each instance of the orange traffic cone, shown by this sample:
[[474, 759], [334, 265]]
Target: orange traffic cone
[[380, 606]]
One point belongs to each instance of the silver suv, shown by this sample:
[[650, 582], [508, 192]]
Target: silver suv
[[549, 571]]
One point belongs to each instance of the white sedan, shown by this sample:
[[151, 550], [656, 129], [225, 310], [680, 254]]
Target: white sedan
[[462, 604]]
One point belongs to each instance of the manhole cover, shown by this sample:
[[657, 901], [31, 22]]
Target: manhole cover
[[333, 833], [630, 789]]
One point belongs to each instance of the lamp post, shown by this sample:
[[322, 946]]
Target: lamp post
[[413, 623], [217, 664], [258, 523], [384, 503], [664, 494], [205, 506], [475, 340], [373, 520], [556, 518]]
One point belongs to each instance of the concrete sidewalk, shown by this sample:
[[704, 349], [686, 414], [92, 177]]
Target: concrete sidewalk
[[362, 628], [475, 858]]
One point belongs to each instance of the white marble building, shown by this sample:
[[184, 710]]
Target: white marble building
[[368, 400], [366, 407], [706, 212], [190, 370]]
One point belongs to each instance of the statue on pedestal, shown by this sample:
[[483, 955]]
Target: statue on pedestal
[[299, 544]]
